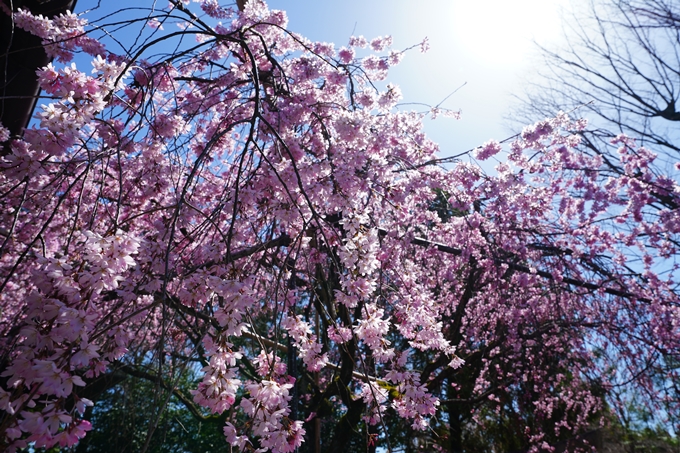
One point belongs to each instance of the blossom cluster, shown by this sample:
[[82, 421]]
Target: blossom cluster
[[56, 345]]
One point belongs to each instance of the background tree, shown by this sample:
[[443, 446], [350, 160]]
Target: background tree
[[618, 68], [243, 221]]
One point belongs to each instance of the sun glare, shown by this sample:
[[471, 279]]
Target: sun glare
[[502, 31]]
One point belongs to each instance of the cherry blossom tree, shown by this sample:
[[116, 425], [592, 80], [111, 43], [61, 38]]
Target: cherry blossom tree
[[232, 199], [617, 67]]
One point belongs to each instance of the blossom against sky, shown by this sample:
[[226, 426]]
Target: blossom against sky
[[485, 45]]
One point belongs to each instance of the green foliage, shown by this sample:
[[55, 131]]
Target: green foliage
[[443, 208], [635, 438], [124, 413]]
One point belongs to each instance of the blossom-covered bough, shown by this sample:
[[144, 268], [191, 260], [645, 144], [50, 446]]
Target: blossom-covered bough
[[234, 195]]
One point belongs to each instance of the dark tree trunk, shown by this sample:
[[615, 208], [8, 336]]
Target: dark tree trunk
[[455, 428], [21, 54]]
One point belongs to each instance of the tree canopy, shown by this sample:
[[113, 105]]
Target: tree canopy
[[247, 223]]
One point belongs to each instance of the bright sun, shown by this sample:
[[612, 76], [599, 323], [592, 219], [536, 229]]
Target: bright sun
[[502, 31]]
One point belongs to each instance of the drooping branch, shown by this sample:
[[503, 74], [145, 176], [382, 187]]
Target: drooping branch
[[529, 270]]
